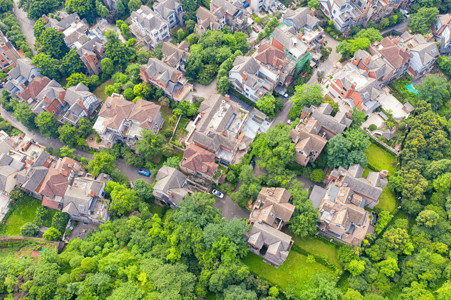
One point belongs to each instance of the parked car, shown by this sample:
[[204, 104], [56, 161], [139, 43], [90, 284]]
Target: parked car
[[217, 193], [255, 28], [281, 6], [144, 172]]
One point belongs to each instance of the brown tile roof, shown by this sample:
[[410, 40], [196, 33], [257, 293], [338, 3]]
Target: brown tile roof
[[275, 205], [145, 113], [34, 88], [199, 160], [57, 179], [268, 54], [115, 109], [47, 202], [393, 54]]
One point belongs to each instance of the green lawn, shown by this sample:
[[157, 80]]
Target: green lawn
[[23, 212], [381, 159], [319, 247], [100, 91], [295, 271], [387, 201]]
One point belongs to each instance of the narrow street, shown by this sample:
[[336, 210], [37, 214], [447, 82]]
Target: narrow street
[[401, 27], [26, 25]]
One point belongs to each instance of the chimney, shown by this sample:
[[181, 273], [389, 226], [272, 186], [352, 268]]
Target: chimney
[[169, 194], [45, 18], [383, 173], [312, 12], [227, 97], [149, 119], [269, 191], [204, 168], [244, 75]]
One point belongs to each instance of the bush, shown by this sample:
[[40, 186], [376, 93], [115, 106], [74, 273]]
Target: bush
[[317, 175], [59, 221], [29, 229], [52, 234], [372, 127]]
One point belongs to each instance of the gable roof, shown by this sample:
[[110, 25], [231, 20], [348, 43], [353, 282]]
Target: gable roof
[[171, 181], [148, 19], [166, 7], [199, 160], [23, 67], [173, 54]]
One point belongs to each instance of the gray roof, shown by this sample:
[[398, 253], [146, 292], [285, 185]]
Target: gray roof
[[278, 243], [41, 159], [81, 192], [32, 178], [166, 7], [317, 195], [301, 18], [5, 172], [23, 67], [147, 18], [371, 187], [171, 180]]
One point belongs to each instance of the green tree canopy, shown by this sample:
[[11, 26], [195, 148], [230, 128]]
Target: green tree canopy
[[421, 21], [305, 96]]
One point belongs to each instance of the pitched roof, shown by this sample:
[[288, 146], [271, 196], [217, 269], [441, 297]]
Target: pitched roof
[[115, 110], [274, 204], [23, 67], [301, 17], [173, 54], [80, 194], [34, 88], [148, 19], [199, 160], [57, 179], [166, 7], [171, 181]]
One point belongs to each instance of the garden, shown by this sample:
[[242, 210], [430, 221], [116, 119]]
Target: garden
[[296, 271], [318, 247], [380, 159]]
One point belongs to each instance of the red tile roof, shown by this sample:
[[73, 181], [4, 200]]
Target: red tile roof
[[198, 159]]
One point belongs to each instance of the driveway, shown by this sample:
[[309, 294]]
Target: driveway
[[401, 27], [205, 91], [229, 208], [131, 172], [26, 25]]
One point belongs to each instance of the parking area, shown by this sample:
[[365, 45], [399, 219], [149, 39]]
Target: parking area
[[229, 209]]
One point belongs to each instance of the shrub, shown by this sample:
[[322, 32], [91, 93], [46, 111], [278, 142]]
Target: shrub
[[317, 175], [52, 234], [372, 127], [29, 229]]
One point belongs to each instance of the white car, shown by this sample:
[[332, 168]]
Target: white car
[[217, 193], [281, 6]]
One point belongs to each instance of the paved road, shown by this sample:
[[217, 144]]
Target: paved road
[[401, 27], [229, 208], [26, 25]]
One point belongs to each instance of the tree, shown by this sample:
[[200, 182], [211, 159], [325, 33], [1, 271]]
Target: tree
[[305, 96], [107, 66], [127, 290], [352, 295], [444, 63], [121, 8], [123, 200], [223, 85], [71, 64], [38, 27], [143, 190], [47, 124], [314, 4], [197, 209], [51, 42], [103, 162], [348, 48], [317, 175], [47, 65], [396, 239], [37, 8], [239, 292], [428, 218], [267, 104], [23, 113], [59, 221], [68, 134], [152, 144], [347, 151], [116, 50], [134, 5], [84, 8], [356, 267], [324, 288], [421, 21], [436, 90], [357, 117], [303, 221], [52, 234], [101, 9], [29, 229], [77, 78], [371, 33]]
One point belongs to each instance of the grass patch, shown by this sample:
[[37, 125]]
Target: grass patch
[[23, 212], [387, 201], [318, 247], [295, 271], [381, 159], [100, 90]]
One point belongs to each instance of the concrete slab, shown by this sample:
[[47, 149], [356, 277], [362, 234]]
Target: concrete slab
[[229, 208]]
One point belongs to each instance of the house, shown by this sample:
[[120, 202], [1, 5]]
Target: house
[[272, 207], [148, 27], [329, 125], [346, 14], [356, 88], [369, 188], [167, 78], [89, 44], [20, 76], [169, 187], [34, 88], [269, 243], [199, 162], [175, 56], [442, 33], [258, 5], [387, 61], [30, 179], [50, 99], [209, 20], [9, 168], [82, 103], [424, 53], [59, 176], [219, 129], [83, 201], [308, 142], [122, 120], [301, 18], [342, 214], [247, 77], [170, 10], [8, 54], [235, 14], [276, 65]]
